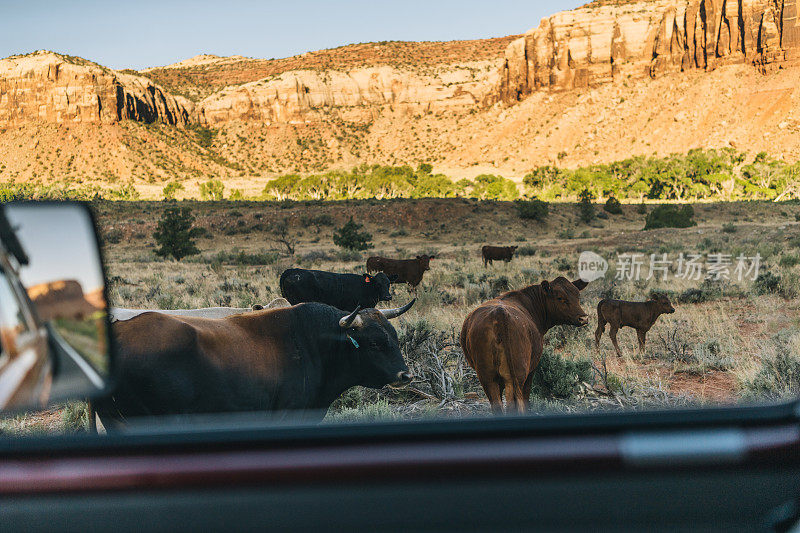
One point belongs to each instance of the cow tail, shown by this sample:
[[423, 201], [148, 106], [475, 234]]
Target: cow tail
[[601, 322], [503, 335]]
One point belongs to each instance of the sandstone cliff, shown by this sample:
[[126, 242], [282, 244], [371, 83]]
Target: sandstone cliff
[[50, 87], [601, 43], [300, 96]]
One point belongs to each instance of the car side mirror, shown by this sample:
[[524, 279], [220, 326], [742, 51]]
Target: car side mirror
[[55, 342]]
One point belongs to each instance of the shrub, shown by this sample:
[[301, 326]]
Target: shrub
[[641, 209], [789, 260], [380, 410], [613, 206], [708, 290], [779, 375], [171, 189], [532, 209], [557, 377], [350, 237], [113, 236], [125, 192], [175, 233], [729, 227], [585, 206], [670, 216], [767, 283], [527, 250], [212, 190], [425, 168]]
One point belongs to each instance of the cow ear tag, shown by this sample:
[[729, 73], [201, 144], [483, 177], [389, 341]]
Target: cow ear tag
[[352, 340], [367, 279]]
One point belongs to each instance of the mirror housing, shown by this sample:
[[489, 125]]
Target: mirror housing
[[55, 342]]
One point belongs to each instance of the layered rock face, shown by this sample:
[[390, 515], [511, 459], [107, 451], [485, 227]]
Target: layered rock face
[[52, 88], [593, 45], [299, 95]]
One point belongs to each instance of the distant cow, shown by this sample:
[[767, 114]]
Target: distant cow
[[345, 291], [497, 253], [407, 270], [121, 313], [502, 338], [639, 315], [293, 358]]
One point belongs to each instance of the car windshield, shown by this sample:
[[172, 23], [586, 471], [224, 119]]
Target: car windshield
[[552, 208]]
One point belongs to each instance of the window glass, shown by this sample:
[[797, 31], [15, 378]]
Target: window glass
[[562, 214]]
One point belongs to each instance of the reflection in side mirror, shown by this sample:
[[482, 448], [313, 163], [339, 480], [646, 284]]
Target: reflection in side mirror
[[54, 338]]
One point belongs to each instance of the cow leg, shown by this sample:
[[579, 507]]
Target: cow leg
[[526, 391], [640, 333], [613, 334], [511, 396], [492, 389]]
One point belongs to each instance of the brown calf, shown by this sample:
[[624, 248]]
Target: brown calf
[[407, 270], [638, 315], [497, 253], [502, 338]]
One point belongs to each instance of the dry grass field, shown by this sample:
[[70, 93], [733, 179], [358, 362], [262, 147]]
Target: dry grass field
[[727, 341]]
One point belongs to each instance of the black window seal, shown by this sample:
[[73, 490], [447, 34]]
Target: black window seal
[[241, 434]]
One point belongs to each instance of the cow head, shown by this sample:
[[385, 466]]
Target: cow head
[[373, 341], [513, 248], [425, 261], [562, 301], [663, 305], [380, 285]]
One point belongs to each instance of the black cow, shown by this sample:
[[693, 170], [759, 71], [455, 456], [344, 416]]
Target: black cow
[[298, 358], [345, 291]]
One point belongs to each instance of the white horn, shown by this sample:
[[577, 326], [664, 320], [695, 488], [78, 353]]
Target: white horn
[[397, 311], [352, 319]]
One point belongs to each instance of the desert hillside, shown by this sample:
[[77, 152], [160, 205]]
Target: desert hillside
[[596, 84]]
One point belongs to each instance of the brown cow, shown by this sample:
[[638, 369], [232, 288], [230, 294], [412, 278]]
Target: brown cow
[[407, 270], [502, 339], [497, 253], [639, 315]]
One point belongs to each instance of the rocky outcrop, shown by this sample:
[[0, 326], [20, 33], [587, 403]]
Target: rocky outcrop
[[50, 87], [302, 95], [597, 44]]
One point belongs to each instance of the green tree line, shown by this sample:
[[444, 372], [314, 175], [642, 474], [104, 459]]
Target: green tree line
[[723, 175]]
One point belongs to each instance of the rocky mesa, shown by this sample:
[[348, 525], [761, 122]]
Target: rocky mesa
[[50, 87], [303, 95], [601, 43]]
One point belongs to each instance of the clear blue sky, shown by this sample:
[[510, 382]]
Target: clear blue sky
[[60, 244], [147, 33]]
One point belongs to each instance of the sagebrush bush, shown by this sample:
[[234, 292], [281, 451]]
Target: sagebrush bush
[[670, 216], [556, 377], [613, 206], [767, 283], [525, 251], [779, 375], [532, 209]]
